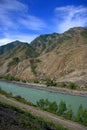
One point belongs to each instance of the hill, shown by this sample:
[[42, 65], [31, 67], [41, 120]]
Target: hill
[[62, 57], [9, 46]]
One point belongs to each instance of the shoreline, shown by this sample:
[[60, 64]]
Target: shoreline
[[50, 89]]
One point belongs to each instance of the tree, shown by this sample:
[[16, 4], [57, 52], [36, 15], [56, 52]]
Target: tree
[[72, 86], [53, 107], [63, 85], [85, 117], [79, 116], [50, 82], [62, 107], [46, 104], [40, 103], [69, 113], [16, 60]]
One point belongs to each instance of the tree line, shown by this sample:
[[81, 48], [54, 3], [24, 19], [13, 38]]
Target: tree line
[[63, 110]]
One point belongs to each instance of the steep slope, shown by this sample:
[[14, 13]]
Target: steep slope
[[16, 61], [68, 60], [45, 43], [63, 57], [48, 42], [9, 46]]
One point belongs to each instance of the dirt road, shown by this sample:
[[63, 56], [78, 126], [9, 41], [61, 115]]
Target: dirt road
[[46, 115]]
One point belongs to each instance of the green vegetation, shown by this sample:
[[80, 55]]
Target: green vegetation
[[14, 61], [68, 85], [8, 47], [24, 81], [84, 33], [63, 110], [72, 86], [17, 97], [33, 65], [69, 113], [81, 116], [29, 51], [36, 80], [5, 93], [9, 77], [62, 107], [50, 82], [33, 68], [63, 85], [63, 38], [22, 100], [15, 118], [53, 107]]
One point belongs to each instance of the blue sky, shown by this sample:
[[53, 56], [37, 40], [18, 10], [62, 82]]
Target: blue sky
[[24, 20]]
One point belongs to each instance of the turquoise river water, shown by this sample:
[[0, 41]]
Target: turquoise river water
[[34, 94]]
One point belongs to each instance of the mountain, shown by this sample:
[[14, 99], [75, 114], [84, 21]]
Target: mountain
[[45, 43], [62, 57], [18, 49], [9, 46], [67, 61]]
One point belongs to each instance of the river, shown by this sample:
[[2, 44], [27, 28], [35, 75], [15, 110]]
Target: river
[[34, 94]]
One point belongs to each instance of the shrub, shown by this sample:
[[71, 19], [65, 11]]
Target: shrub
[[69, 113], [62, 107], [36, 80], [72, 86], [63, 85], [14, 61], [50, 82]]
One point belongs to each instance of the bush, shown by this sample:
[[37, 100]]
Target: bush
[[10, 78], [14, 61], [69, 113], [81, 116], [5, 93], [24, 81], [50, 82], [72, 86], [36, 80], [63, 85], [62, 107]]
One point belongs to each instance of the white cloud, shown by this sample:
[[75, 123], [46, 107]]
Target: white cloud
[[70, 16], [4, 41], [16, 23], [8, 8], [32, 22], [14, 14], [12, 5]]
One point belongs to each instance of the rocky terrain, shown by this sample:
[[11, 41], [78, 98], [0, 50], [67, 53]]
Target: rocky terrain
[[62, 57]]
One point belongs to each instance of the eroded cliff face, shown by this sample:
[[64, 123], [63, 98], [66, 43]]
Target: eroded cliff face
[[59, 56]]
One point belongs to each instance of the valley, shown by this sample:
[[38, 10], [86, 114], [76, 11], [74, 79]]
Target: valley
[[60, 57], [48, 72]]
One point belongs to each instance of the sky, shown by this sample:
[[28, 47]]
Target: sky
[[24, 20]]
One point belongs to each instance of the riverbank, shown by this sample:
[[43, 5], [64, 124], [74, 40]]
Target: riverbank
[[45, 115], [50, 89]]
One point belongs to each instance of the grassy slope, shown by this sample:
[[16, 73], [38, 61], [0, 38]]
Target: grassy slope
[[13, 118]]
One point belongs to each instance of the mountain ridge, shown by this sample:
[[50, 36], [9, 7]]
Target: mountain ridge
[[57, 56]]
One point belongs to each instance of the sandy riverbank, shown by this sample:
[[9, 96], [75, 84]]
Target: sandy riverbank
[[51, 89]]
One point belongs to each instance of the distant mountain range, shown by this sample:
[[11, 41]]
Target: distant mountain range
[[62, 57]]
